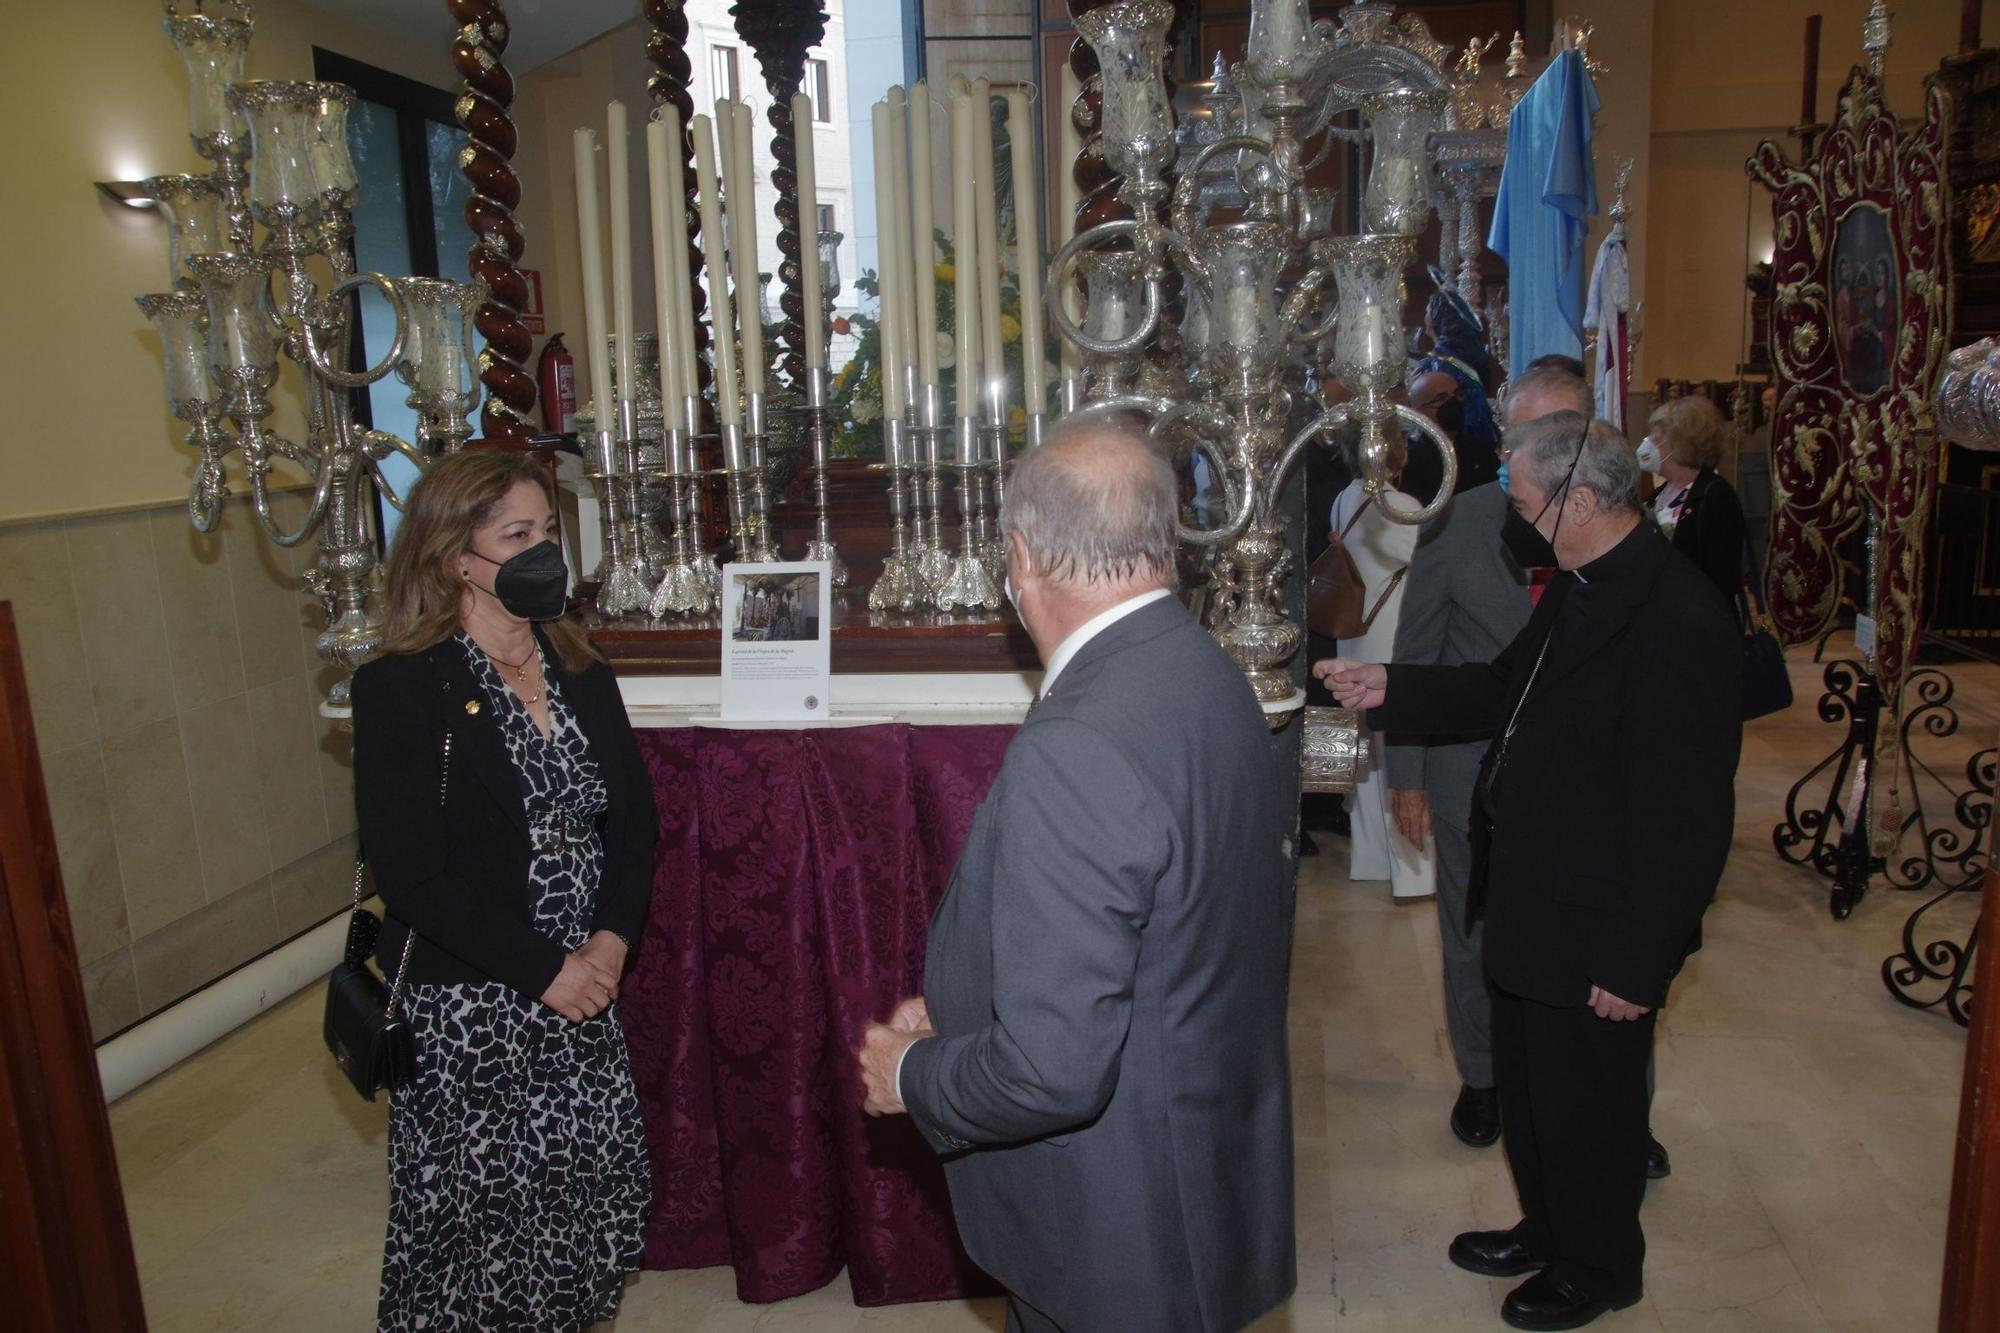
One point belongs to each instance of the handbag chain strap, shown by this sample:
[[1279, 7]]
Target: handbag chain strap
[[409, 936]]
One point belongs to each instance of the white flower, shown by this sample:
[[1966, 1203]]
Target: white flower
[[867, 409], [947, 349]]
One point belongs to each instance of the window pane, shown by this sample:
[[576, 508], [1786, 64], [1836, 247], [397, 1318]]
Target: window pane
[[979, 18], [381, 245], [449, 192], [822, 92], [722, 71]]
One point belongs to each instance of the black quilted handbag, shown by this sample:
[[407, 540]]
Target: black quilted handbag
[[370, 1041]]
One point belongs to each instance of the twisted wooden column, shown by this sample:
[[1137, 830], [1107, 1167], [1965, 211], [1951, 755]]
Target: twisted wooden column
[[482, 110], [780, 35], [672, 72]]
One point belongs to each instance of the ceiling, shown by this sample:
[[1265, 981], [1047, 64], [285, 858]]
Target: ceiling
[[542, 29]]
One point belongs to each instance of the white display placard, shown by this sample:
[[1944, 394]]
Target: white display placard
[[777, 641]]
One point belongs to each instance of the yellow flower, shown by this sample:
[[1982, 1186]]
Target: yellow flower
[[1010, 328], [1017, 418], [947, 272]]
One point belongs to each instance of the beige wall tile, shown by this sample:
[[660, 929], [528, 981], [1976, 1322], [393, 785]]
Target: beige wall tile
[[111, 993], [80, 809], [123, 627], [226, 790], [152, 820], [35, 577], [282, 731], [263, 578], [195, 594], [336, 771], [315, 887], [201, 946]]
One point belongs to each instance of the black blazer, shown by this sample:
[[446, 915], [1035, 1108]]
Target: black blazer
[[1635, 714], [1710, 532], [459, 874]]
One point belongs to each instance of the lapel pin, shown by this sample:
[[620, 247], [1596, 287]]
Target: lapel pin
[[472, 707]]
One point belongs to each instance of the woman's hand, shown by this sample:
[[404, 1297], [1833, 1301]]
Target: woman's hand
[[581, 990], [606, 952]]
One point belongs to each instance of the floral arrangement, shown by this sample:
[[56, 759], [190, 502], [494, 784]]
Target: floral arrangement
[[857, 386]]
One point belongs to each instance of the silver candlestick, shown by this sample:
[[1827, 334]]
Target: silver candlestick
[[898, 587], [969, 584], [761, 546], [819, 426]]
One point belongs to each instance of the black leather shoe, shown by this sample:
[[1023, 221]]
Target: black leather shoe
[[1494, 1253], [1546, 1302], [1657, 1165], [1475, 1116]]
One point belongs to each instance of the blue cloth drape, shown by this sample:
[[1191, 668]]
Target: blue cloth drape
[[1548, 193]]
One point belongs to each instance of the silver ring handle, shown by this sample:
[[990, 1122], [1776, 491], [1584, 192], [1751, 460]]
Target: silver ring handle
[[1059, 317], [1241, 504], [316, 355]]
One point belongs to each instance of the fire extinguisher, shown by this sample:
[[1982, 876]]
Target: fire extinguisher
[[557, 371]]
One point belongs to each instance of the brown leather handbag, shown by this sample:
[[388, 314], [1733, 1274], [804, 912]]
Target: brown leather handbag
[[1336, 600]]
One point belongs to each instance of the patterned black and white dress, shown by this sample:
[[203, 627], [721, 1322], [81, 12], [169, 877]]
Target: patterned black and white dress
[[518, 1181]]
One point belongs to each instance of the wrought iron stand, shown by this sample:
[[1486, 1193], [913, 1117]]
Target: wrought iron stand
[[1949, 856], [1831, 835]]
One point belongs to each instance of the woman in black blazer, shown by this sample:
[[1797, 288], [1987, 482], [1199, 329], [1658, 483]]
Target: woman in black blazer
[[509, 821], [1696, 508]]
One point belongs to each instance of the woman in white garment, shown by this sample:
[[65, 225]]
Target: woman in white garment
[[1381, 549]]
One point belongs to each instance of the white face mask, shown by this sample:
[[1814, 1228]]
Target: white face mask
[[1649, 455]]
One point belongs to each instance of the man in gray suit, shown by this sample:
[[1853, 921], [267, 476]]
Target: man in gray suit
[[1464, 599], [1100, 1047]]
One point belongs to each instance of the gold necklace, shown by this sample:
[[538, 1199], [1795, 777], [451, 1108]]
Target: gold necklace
[[520, 670]]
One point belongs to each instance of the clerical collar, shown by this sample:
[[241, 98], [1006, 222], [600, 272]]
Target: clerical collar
[[1621, 559]]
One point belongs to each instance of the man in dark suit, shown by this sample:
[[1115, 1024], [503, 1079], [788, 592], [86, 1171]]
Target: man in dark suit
[[1100, 1047], [1588, 917]]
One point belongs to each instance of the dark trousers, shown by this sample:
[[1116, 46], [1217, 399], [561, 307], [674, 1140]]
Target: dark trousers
[[1573, 1109]]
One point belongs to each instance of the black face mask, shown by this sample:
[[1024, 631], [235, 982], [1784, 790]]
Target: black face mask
[[1525, 542], [533, 584], [1522, 538]]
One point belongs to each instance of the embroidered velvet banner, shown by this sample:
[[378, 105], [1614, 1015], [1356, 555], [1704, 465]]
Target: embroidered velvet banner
[[797, 873]]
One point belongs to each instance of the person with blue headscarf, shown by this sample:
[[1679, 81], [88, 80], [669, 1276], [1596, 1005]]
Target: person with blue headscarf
[[1448, 385]]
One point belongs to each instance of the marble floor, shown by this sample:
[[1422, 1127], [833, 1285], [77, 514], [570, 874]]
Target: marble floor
[[1809, 1115]]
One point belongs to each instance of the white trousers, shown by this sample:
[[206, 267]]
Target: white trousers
[[1376, 849]]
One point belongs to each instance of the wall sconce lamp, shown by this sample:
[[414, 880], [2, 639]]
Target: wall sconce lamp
[[132, 194]]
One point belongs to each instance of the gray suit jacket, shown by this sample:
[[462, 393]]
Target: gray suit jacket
[[1464, 600], [1107, 975]]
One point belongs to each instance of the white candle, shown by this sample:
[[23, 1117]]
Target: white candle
[[887, 270], [590, 240], [743, 250], [617, 149], [907, 326], [923, 230], [677, 317], [809, 275], [965, 244], [1028, 250], [993, 382], [1064, 170], [659, 203], [726, 406]]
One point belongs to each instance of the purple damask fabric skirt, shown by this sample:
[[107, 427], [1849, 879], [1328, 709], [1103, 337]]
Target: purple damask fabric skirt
[[796, 878]]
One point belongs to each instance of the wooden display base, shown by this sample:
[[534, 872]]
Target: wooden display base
[[864, 643]]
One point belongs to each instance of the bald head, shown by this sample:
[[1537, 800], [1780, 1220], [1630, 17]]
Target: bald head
[[1543, 389], [1096, 507]]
